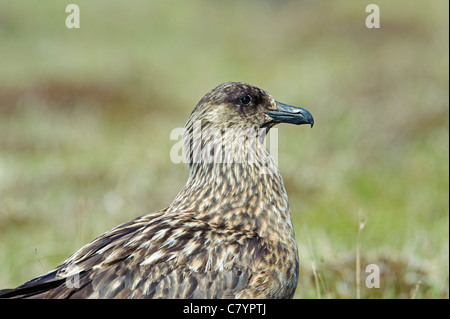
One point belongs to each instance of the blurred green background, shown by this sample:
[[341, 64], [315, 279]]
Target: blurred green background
[[86, 115]]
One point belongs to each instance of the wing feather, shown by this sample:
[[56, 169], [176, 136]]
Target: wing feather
[[154, 257]]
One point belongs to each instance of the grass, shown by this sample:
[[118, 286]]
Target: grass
[[86, 115]]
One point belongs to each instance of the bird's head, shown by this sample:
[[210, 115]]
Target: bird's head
[[228, 120], [240, 105]]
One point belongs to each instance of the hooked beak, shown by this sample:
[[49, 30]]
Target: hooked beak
[[291, 114]]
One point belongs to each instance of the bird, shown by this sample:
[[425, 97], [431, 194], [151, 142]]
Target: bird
[[227, 234]]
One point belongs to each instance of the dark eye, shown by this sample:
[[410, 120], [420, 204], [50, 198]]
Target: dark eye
[[245, 100]]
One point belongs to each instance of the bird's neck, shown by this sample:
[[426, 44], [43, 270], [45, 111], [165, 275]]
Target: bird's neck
[[243, 195]]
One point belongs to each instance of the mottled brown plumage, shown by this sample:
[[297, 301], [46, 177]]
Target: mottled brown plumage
[[227, 234]]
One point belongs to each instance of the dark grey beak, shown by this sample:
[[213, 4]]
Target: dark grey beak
[[291, 114]]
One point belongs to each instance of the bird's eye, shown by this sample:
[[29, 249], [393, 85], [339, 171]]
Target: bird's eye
[[245, 100]]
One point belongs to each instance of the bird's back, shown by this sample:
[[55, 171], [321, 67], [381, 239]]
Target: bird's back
[[164, 256]]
